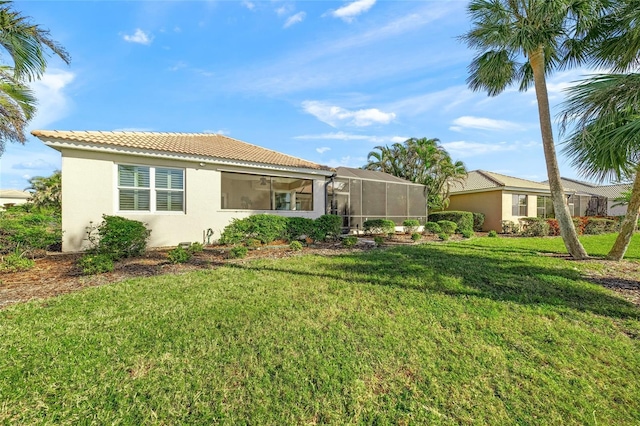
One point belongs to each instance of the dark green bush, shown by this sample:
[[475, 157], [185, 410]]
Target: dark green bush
[[179, 255], [432, 227], [467, 233], [492, 234], [416, 236], [326, 226], [92, 264], [463, 220], [349, 241], [443, 236], [447, 226], [379, 226], [238, 252], [510, 227], [379, 241], [119, 237], [36, 230], [596, 226], [263, 227], [411, 225], [253, 243], [14, 262], [534, 227], [295, 245], [196, 248], [298, 227], [478, 221]]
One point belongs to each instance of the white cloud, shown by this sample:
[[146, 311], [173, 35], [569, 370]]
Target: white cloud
[[323, 149], [347, 161], [482, 123], [139, 37], [284, 10], [249, 4], [294, 19], [343, 136], [53, 103], [335, 115], [217, 132], [178, 66], [471, 149], [349, 12]]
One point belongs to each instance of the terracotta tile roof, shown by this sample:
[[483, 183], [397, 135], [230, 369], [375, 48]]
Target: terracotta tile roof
[[479, 179], [197, 144]]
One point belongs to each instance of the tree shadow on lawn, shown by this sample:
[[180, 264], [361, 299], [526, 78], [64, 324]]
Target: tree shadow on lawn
[[457, 271]]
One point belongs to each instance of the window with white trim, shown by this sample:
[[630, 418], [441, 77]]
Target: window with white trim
[[151, 189], [519, 205]]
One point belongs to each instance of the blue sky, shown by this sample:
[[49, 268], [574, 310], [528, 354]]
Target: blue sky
[[326, 81]]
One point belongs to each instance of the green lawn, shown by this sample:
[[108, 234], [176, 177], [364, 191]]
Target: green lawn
[[486, 331]]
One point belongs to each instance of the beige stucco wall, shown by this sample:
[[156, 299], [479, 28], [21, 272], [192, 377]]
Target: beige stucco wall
[[489, 203], [11, 200], [89, 191]]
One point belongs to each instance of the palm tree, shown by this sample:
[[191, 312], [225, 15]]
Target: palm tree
[[421, 161], [521, 42], [46, 192], [605, 142], [622, 200], [26, 43]]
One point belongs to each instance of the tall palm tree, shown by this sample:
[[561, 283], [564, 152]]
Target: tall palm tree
[[605, 142], [521, 42], [27, 45]]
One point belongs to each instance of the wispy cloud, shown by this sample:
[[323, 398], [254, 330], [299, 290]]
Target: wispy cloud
[[53, 101], [482, 123], [139, 37], [323, 149], [349, 12], [37, 164], [249, 5], [344, 136], [335, 115], [347, 161], [294, 19], [217, 132], [469, 149]]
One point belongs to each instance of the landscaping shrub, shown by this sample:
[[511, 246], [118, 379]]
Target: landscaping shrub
[[298, 227], [31, 231], [379, 241], [252, 243], [432, 227], [467, 233], [416, 236], [179, 255], [478, 221], [443, 236], [196, 248], [509, 227], [579, 223], [447, 226], [463, 220], [350, 241], [379, 226], [534, 227], [263, 227], [492, 234], [410, 226], [14, 262], [119, 237], [92, 264], [238, 252], [596, 226], [554, 227], [295, 245], [326, 226]]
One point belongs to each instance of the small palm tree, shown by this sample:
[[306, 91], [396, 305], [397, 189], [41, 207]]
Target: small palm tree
[[521, 42], [26, 43], [46, 192]]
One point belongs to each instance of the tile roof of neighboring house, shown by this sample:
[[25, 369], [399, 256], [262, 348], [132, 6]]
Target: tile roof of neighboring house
[[348, 172], [14, 193], [609, 191], [196, 144], [478, 180]]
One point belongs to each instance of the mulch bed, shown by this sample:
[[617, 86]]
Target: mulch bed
[[57, 273]]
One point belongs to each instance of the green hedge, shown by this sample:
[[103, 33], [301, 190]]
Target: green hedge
[[119, 237], [534, 227], [596, 225], [463, 220], [379, 226], [448, 227], [28, 231], [411, 226], [478, 221]]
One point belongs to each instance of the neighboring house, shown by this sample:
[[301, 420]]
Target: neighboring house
[[180, 184], [359, 195], [13, 197], [501, 197], [597, 200]]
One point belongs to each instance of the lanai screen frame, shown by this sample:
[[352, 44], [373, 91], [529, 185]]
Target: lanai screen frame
[[358, 199]]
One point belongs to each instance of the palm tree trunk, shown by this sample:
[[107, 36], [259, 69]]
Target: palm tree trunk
[[567, 230], [629, 222]]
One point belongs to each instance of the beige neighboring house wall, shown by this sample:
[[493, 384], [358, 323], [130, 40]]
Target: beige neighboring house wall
[[90, 190], [13, 196], [492, 194]]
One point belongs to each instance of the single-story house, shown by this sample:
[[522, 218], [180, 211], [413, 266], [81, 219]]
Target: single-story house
[[598, 200], [502, 198], [13, 197], [186, 186]]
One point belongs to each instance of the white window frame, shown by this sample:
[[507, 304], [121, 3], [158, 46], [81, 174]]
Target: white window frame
[[152, 191]]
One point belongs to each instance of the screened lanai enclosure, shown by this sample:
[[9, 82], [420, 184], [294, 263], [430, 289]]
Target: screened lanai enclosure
[[358, 195]]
